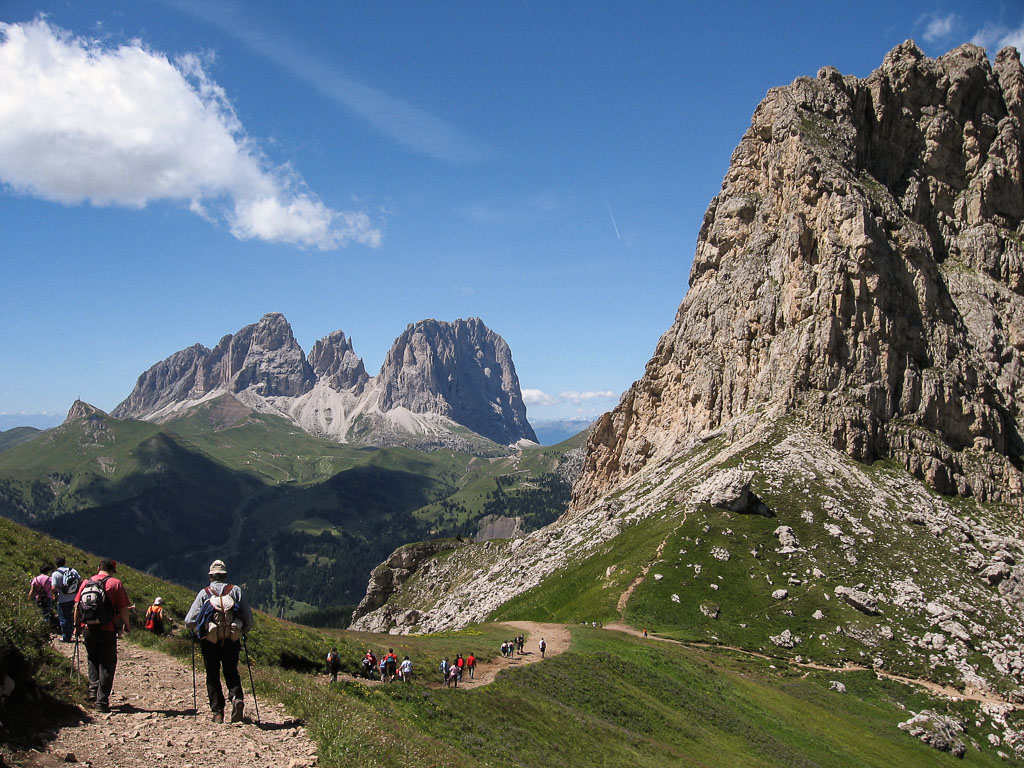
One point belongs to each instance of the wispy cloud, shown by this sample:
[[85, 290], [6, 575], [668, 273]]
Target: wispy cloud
[[996, 36], [540, 398], [938, 27], [85, 122], [407, 124], [542, 206]]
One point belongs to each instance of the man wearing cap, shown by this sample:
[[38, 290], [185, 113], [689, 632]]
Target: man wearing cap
[[221, 653], [101, 639]]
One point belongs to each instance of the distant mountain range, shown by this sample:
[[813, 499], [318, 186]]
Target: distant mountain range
[[442, 385]]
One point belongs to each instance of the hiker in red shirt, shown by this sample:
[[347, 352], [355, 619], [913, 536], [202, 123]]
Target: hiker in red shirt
[[102, 609], [460, 663], [471, 665]]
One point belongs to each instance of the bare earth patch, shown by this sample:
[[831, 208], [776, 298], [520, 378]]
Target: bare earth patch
[[151, 724]]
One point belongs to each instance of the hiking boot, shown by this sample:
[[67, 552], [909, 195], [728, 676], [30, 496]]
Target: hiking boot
[[236, 711], [217, 717], [102, 706]]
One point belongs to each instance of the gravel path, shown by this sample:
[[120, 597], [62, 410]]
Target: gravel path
[[151, 725]]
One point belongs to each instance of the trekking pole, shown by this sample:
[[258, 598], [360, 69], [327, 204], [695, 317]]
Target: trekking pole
[[251, 683], [74, 664], [195, 707]]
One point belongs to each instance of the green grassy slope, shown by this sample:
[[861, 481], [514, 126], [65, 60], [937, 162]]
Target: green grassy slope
[[611, 700], [311, 516], [13, 437]]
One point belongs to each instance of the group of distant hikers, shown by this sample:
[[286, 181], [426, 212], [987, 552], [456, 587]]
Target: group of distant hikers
[[386, 668], [98, 611]]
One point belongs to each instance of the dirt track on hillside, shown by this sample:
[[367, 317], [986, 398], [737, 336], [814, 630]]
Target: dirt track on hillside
[[556, 636], [151, 723]]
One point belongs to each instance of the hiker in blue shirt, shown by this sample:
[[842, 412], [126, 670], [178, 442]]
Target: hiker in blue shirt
[[65, 582], [220, 616]]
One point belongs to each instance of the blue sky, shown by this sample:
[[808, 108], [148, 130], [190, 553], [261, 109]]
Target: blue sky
[[171, 171]]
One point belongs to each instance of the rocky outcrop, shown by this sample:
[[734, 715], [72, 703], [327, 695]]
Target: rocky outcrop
[[387, 577], [438, 378], [334, 360], [863, 267], [82, 410], [460, 370], [730, 490], [262, 359]]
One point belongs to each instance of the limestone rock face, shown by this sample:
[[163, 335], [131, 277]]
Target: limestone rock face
[[262, 358], [461, 370], [863, 267], [333, 359], [82, 410], [437, 378]]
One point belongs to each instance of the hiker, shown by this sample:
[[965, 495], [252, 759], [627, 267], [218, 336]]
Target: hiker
[[405, 671], [645, 633], [41, 590], [155, 617], [460, 663], [333, 664], [453, 676], [444, 671], [504, 649], [64, 583], [103, 609], [369, 664], [520, 642], [543, 647], [390, 665], [220, 617], [471, 665]]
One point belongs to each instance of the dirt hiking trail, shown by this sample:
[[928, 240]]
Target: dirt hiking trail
[[936, 688], [556, 637], [150, 723]]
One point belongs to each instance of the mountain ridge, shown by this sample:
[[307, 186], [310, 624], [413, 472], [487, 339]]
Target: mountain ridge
[[441, 385]]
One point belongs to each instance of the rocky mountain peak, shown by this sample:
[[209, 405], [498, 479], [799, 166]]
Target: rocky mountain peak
[[263, 357], [82, 410], [333, 359], [862, 267], [461, 370]]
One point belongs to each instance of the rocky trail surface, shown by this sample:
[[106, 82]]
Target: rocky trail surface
[[151, 724]]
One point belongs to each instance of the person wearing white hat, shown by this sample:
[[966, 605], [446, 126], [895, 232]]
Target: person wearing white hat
[[220, 616], [155, 617]]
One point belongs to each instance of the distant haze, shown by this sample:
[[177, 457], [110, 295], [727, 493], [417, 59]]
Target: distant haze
[[554, 431], [37, 420]]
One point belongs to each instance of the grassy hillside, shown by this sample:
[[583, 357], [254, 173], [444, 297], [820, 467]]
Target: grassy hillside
[[309, 516], [611, 700], [12, 437]]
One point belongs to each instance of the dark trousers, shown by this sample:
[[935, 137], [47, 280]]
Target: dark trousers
[[66, 612], [101, 650], [216, 656]]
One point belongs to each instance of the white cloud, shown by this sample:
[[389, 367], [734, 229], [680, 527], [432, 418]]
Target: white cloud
[[995, 36], [539, 397], [938, 27], [84, 122], [401, 121], [578, 397]]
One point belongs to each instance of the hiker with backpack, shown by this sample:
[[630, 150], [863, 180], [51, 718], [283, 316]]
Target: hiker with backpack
[[333, 664], [40, 590], [220, 617], [444, 671], [155, 617], [543, 647], [369, 664], [103, 612], [64, 583], [405, 671]]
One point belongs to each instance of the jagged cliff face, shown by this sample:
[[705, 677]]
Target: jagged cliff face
[[334, 360], [263, 359], [437, 379], [460, 370], [863, 266]]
